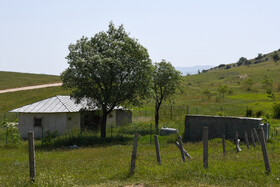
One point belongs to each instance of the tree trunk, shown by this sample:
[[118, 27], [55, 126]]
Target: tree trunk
[[156, 117], [103, 125]]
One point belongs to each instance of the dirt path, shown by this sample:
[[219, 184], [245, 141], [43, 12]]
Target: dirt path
[[30, 87]]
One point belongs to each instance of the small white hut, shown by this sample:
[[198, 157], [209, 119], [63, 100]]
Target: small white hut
[[61, 114]]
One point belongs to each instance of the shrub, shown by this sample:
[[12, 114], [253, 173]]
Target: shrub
[[221, 65], [249, 84], [258, 61], [48, 136], [247, 62], [13, 135], [275, 57], [276, 110], [242, 61], [259, 113], [259, 56], [207, 93], [272, 96], [266, 59], [228, 66], [266, 118], [249, 112]]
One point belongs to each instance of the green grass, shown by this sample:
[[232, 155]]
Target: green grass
[[15, 80], [106, 163], [9, 101], [109, 166]]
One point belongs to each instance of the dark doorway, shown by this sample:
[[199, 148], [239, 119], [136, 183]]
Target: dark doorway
[[90, 120]]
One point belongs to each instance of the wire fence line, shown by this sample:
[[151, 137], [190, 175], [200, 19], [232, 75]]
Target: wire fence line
[[166, 112], [8, 116], [214, 155]]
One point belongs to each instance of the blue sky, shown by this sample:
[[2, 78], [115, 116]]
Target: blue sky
[[35, 35]]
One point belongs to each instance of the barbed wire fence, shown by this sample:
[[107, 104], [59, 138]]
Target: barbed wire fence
[[261, 151]]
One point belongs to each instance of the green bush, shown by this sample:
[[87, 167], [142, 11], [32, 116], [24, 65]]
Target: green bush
[[249, 112], [276, 110], [259, 113], [48, 136], [12, 133], [228, 67]]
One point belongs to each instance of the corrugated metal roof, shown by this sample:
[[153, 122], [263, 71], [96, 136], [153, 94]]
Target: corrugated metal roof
[[52, 105], [56, 104]]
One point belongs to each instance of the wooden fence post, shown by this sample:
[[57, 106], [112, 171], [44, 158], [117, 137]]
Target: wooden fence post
[[253, 138], [32, 168], [246, 139], [237, 142], [205, 147], [264, 150], [157, 149], [257, 137], [134, 154], [224, 144], [185, 152], [181, 148]]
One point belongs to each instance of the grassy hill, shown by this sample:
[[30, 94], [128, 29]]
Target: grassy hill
[[199, 93], [15, 80], [9, 101]]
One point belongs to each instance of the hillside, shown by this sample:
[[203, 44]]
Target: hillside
[[9, 101], [260, 58], [200, 93], [235, 79], [254, 87], [15, 80]]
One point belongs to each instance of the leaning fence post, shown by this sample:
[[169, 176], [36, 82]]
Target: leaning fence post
[[264, 150], [256, 135], [205, 147], [246, 139], [253, 138], [185, 152], [181, 148], [31, 155], [224, 144], [157, 149], [134, 153], [237, 142]]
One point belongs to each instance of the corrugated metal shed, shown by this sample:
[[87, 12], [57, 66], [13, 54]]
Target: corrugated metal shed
[[56, 104]]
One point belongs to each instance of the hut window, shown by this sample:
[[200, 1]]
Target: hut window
[[37, 122]]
